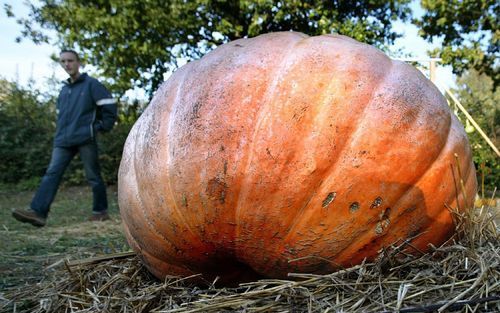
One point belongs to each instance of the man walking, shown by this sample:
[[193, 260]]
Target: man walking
[[84, 108]]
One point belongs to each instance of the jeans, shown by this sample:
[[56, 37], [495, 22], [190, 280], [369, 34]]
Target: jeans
[[61, 157]]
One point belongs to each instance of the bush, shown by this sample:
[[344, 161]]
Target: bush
[[26, 130], [27, 126]]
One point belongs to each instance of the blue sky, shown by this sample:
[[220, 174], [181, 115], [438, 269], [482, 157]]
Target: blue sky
[[21, 61]]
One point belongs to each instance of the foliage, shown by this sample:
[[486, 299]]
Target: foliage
[[27, 125], [477, 93], [136, 42], [470, 33], [26, 128]]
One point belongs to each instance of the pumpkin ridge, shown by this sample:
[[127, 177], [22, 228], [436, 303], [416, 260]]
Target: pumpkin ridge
[[299, 217], [458, 191], [470, 170], [146, 215], [287, 52], [422, 175], [180, 216], [469, 186], [132, 170], [343, 37], [146, 255], [471, 182], [362, 233], [362, 238], [175, 207], [133, 241]]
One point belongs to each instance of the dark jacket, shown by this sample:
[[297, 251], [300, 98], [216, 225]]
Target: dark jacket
[[84, 107]]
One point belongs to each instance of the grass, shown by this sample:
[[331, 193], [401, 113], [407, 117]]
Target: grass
[[35, 278], [29, 254]]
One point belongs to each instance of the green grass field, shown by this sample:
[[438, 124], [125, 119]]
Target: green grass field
[[29, 254]]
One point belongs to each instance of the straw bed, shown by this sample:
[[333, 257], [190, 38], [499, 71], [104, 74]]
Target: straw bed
[[462, 275]]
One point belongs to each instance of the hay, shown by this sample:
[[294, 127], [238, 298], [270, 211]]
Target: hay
[[462, 275]]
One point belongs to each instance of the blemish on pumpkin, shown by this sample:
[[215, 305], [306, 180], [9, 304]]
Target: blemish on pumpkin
[[381, 226], [354, 207], [408, 210], [184, 201], [216, 190], [269, 154], [385, 214], [225, 167], [329, 199], [195, 109], [376, 203], [414, 232], [384, 221]]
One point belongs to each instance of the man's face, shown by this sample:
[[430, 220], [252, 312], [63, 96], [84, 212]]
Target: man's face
[[70, 63]]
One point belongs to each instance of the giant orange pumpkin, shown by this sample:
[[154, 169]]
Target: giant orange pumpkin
[[288, 153]]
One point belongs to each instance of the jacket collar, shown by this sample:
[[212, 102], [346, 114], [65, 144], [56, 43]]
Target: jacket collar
[[80, 79]]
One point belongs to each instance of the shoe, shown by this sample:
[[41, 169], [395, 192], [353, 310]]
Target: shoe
[[99, 217], [29, 216]]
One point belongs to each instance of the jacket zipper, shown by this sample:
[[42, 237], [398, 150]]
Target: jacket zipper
[[92, 125]]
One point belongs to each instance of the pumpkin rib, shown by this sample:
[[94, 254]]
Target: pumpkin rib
[[152, 229], [168, 143], [471, 185], [449, 128], [467, 181], [290, 72], [471, 176], [419, 177], [176, 208], [217, 68], [344, 38], [131, 170], [361, 232], [333, 165], [397, 204], [369, 84], [198, 243], [364, 237], [454, 197], [146, 257], [263, 111], [435, 225]]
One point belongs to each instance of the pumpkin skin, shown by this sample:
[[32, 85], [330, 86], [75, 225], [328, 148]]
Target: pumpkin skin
[[288, 153]]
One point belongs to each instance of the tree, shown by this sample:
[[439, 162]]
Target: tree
[[477, 93], [136, 42], [470, 33]]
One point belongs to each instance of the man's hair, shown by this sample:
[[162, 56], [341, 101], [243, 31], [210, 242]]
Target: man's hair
[[71, 51]]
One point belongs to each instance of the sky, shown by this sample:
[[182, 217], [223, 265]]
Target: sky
[[22, 61]]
